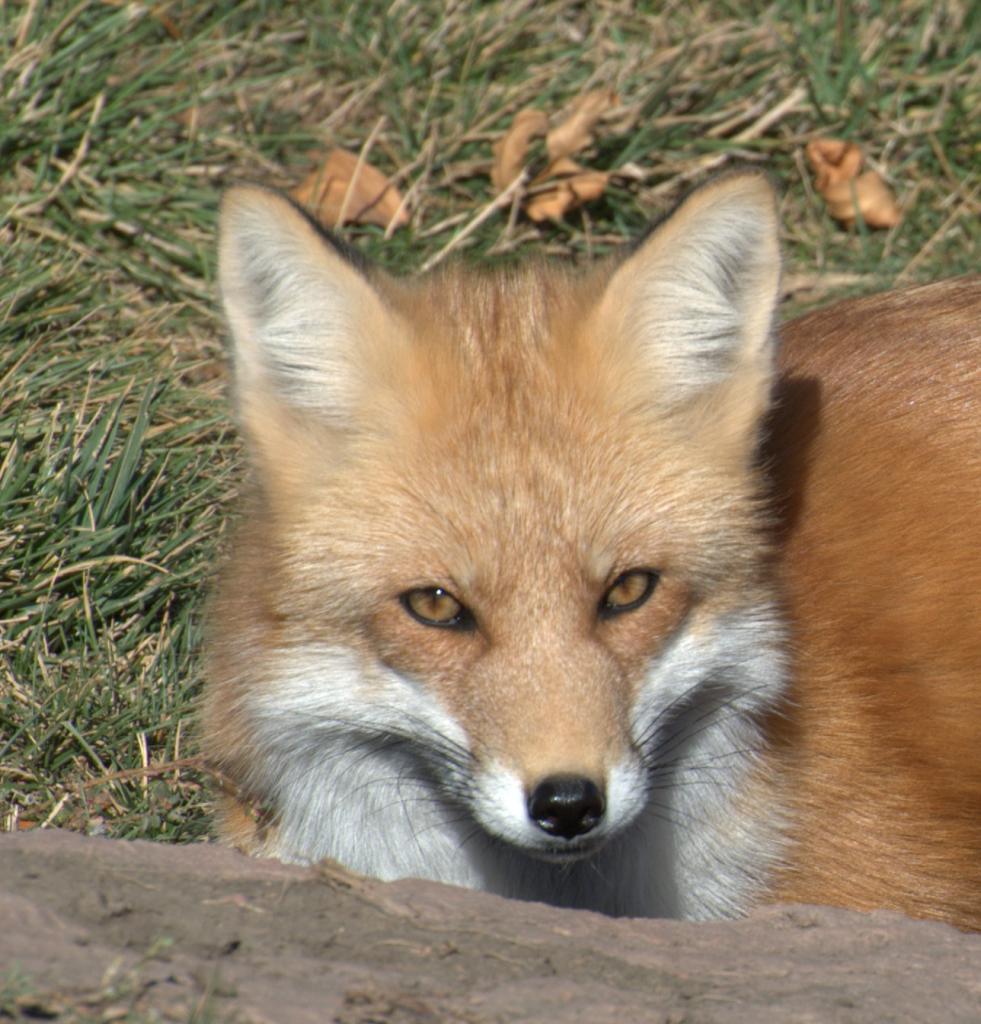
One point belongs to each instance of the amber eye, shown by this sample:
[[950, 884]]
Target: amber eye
[[629, 591], [434, 606]]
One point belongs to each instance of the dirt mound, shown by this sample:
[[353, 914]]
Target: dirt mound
[[99, 929]]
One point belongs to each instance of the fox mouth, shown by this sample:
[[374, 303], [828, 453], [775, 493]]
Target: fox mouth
[[565, 855], [551, 851]]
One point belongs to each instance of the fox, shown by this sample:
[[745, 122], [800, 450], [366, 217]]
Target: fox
[[586, 585]]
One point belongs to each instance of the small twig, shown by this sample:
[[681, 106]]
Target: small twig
[[54, 811], [145, 758], [425, 160], [513, 215], [25, 24], [938, 152], [362, 160], [129, 774], [757, 128], [699, 166], [499, 201], [347, 111], [932, 241], [102, 560], [19, 362], [793, 284], [72, 169], [440, 226], [774, 114]]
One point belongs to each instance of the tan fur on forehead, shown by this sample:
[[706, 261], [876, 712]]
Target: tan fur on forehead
[[498, 443], [523, 350], [492, 342]]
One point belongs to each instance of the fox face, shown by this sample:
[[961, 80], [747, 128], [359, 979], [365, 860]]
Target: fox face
[[498, 611]]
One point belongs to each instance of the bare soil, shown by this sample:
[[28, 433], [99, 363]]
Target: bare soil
[[96, 929]]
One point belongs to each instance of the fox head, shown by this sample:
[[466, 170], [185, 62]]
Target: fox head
[[502, 565]]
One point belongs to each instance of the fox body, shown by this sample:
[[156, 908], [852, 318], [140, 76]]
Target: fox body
[[570, 587]]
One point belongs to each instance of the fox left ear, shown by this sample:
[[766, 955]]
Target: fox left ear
[[305, 320], [695, 302]]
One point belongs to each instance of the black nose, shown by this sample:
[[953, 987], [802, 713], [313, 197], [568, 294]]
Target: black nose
[[566, 805]]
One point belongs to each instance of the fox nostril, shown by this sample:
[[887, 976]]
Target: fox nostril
[[566, 805]]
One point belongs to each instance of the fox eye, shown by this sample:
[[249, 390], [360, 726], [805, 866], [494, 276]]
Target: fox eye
[[628, 591], [434, 606]]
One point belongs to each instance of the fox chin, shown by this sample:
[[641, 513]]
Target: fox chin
[[576, 586]]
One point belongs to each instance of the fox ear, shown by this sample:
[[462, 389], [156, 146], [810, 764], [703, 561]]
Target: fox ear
[[297, 305], [695, 301]]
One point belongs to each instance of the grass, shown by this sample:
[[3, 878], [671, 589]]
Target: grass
[[120, 122]]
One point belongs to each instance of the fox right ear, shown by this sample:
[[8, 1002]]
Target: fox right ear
[[302, 315], [694, 303]]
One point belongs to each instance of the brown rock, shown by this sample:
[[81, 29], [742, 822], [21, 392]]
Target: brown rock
[[102, 926]]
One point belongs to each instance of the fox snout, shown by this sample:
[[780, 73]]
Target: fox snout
[[567, 806], [559, 786], [561, 816], [556, 770]]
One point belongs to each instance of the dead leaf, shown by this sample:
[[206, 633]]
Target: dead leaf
[[871, 195], [510, 151], [836, 165], [562, 184], [563, 166], [566, 194], [834, 161], [341, 189], [576, 131]]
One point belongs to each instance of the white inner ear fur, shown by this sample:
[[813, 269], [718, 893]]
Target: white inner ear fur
[[299, 313], [696, 301]]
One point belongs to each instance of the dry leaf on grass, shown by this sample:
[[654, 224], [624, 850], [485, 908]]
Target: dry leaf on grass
[[566, 194], [342, 190], [510, 151], [836, 167], [562, 184], [576, 131]]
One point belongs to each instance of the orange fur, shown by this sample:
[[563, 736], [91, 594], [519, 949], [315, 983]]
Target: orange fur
[[521, 440], [876, 452]]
